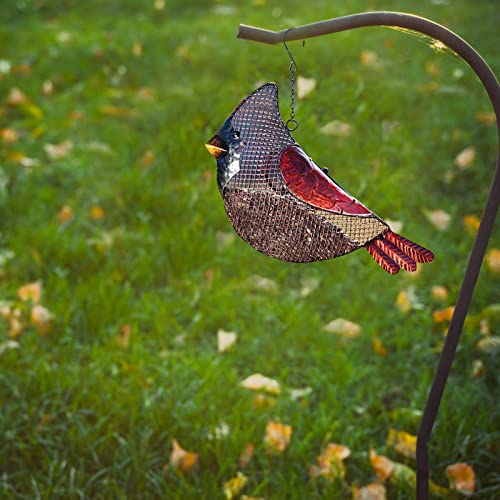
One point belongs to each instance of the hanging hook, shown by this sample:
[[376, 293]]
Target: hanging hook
[[291, 123]]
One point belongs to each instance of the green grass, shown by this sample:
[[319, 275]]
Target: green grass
[[82, 417]]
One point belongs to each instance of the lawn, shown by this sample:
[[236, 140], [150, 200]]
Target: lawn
[[109, 200]]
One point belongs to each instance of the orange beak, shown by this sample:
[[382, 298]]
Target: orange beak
[[216, 147]]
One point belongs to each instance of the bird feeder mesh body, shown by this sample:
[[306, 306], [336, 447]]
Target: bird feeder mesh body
[[262, 209]]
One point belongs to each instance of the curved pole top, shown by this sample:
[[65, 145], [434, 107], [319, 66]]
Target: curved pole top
[[383, 18]]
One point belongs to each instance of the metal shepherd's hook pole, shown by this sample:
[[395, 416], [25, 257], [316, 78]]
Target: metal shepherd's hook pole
[[475, 61]]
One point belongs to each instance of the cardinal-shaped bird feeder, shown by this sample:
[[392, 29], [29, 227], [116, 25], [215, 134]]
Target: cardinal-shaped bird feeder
[[286, 206]]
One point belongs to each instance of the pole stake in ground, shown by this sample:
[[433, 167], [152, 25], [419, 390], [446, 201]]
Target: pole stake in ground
[[285, 206]]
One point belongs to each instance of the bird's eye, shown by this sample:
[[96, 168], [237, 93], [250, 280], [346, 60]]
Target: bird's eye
[[236, 134]]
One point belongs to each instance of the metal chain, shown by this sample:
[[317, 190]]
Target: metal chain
[[291, 123]]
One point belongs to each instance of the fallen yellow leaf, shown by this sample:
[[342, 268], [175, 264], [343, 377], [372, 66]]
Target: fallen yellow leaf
[[462, 478], [343, 327], [478, 368], [148, 158], [331, 462], [378, 347], [258, 382], [159, 4], [16, 97], [181, 460], [65, 214], [30, 291], [137, 49], [489, 344], [225, 340], [382, 466], [96, 212], [8, 135], [123, 338], [47, 88], [372, 491], [263, 402], [405, 444], [466, 158], [16, 327], [486, 117], [42, 319], [443, 314], [233, 487], [403, 302], [246, 455], [368, 58], [471, 222], [277, 436], [439, 219], [336, 128], [57, 151], [493, 260], [305, 86], [439, 292]]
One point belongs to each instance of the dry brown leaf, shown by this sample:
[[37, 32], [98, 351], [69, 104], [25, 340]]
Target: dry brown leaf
[[405, 444], [486, 117], [8, 135], [439, 219], [372, 491], [181, 460], [263, 402], [382, 466], [336, 128], [305, 86], [343, 327], [225, 340], [96, 212], [443, 314], [16, 97], [277, 436], [57, 151], [493, 260], [123, 338], [466, 158], [378, 347], [489, 344], [439, 292], [233, 487], [137, 49], [148, 158], [42, 319], [403, 302], [368, 58], [246, 455], [65, 214], [462, 478], [258, 382], [471, 222]]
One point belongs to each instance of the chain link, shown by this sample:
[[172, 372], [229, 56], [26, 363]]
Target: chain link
[[291, 123]]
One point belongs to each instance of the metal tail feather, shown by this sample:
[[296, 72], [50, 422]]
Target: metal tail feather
[[393, 252]]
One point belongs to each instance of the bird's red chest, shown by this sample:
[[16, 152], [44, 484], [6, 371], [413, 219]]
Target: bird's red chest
[[309, 183]]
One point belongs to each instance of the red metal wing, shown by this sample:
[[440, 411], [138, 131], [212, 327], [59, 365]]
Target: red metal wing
[[309, 183]]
